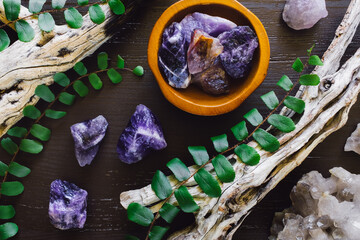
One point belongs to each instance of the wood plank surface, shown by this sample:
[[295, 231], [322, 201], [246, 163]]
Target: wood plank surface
[[107, 177]]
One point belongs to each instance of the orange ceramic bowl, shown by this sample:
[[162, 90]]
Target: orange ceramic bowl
[[193, 99]]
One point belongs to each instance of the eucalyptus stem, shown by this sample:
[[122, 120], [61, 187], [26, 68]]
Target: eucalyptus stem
[[47, 108], [50, 11], [222, 153]]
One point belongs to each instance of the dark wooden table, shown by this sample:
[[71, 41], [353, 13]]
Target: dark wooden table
[[107, 177]]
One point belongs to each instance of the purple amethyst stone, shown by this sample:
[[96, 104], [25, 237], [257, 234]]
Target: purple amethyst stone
[[87, 137], [142, 135], [239, 47], [67, 207]]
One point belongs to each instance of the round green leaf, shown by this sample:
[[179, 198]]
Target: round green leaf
[[35, 6], [168, 212], [161, 185], [95, 81], [40, 132], [67, 98], [102, 60], [282, 123], [208, 183], [73, 18], [12, 188], [179, 169], [157, 232], [32, 112], [120, 62], [12, 9], [247, 154], [240, 131], [7, 212], [298, 66], [4, 40], [254, 117], [19, 132], [3, 168], [9, 145], [61, 79], [44, 93], [54, 114], [285, 83], [223, 168], [97, 15], [270, 99], [138, 71], [24, 30], [117, 7], [199, 154], [220, 143], [18, 170], [295, 104], [8, 230], [140, 214], [30, 146], [58, 4], [46, 22], [83, 2], [266, 140], [185, 200], [310, 80], [114, 76], [80, 88], [315, 61], [80, 69]]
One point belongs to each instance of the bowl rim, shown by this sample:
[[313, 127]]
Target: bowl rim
[[173, 95]]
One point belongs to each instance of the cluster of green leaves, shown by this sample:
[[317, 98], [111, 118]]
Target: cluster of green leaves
[[46, 21], [210, 184], [31, 140]]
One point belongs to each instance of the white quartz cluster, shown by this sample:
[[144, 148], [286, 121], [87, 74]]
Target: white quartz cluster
[[353, 142], [322, 209], [304, 14]]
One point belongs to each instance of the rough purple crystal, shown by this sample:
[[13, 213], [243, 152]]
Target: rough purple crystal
[[210, 24], [142, 135], [67, 207], [202, 52], [213, 80], [172, 57], [239, 47], [87, 137]]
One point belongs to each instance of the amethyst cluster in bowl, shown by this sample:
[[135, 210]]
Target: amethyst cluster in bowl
[[206, 50]]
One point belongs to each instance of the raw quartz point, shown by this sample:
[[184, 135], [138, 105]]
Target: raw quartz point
[[239, 44], [172, 57], [322, 208], [209, 24], [353, 142], [67, 206], [202, 52], [142, 135], [87, 137], [213, 80], [304, 14]]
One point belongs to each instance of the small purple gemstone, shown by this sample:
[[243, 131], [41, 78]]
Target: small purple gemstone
[[239, 47], [87, 137], [67, 206], [142, 135]]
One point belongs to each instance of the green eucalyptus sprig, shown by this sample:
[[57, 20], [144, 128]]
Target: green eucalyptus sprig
[[46, 21], [223, 168], [32, 139]]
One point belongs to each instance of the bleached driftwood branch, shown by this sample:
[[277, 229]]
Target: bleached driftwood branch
[[327, 108], [24, 66]]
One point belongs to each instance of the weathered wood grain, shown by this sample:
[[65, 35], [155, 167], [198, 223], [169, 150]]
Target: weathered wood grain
[[107, 176]]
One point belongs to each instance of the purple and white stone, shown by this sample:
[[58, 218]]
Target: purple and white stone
[[239, 44], [87, 137], [142, 135], [67, 206]]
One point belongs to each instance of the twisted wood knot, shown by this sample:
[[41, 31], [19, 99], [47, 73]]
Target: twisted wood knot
[[326, 84]]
